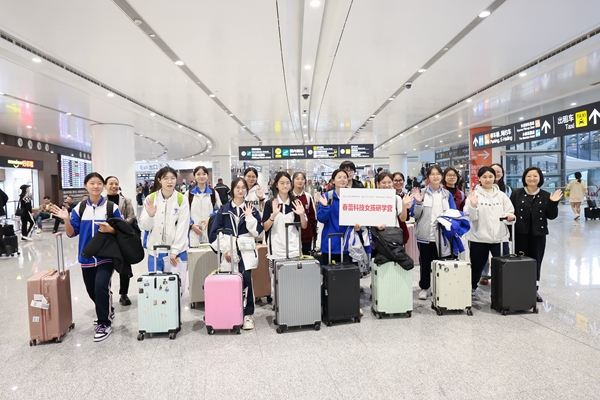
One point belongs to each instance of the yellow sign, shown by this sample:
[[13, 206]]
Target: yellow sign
[[581, 119], [23, 163]]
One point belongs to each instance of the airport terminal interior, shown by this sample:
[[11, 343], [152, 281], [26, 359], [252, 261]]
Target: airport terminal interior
[[127, 87]]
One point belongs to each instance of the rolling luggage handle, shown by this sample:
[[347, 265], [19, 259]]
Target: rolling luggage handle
[[220, 254], [159, 246], [452, 256], [60, 253], [512, 235], [287, 239], [341, 235]]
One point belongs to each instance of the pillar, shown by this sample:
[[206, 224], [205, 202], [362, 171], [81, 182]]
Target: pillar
[[113, 153], [399, 163], [221, 168]]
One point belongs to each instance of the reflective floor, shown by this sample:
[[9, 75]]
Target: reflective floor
[[553, 354]]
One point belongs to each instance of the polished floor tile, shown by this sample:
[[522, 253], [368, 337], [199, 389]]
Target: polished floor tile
[[553, 354]]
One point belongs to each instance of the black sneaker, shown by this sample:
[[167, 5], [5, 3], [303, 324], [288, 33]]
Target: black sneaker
[[125, 300]]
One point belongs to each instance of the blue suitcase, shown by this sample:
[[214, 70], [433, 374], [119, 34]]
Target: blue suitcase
[[159, 302]]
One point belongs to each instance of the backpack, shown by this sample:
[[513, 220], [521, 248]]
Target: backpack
[[213, 199], [110, 207], [179, 198]]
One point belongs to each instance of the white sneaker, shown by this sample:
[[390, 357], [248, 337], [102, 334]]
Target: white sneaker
[[39, 231], [248, 323], [423, 294]]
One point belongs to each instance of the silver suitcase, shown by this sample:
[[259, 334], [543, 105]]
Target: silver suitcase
[[450, 283], [202, 261], [297, 291]]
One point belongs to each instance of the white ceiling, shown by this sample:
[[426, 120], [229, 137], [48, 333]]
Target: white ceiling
[[252, 56]]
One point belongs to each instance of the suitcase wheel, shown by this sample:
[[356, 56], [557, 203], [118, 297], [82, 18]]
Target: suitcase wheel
[[275, 322], [238, 330], [192, 305], [328, 323], [535, 309], [140, 336], [503, 312], [317, 326], [279, 330], [409, 314], [269, 299], [377, 315], [32, 343], [172, 335], [210, 330], [439, 312], [469, 312], [357, 320], [57, 340], [72, 326]]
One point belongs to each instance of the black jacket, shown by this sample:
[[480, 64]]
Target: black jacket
[[223, 191], [125, 247], [533, 212], [3, 201]]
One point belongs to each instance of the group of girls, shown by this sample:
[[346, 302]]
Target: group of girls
[[529, 208]]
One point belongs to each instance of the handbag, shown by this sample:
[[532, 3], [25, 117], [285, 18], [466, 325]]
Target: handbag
[[19, 211]]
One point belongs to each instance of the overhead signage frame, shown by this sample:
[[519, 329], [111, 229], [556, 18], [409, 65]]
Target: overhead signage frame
[[326, 151]]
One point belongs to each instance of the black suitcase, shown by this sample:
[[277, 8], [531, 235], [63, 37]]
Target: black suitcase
[[340, 290], [13, 242], [591, 213], [514, 282], [7, 230]]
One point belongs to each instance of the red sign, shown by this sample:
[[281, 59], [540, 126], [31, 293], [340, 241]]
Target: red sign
[[479, 158]]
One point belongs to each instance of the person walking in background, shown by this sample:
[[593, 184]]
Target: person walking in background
[[533, 208], [369, 184], [146, 189], [128, 214], [577, 190], [223, 191], [138, 193], [26, 212]]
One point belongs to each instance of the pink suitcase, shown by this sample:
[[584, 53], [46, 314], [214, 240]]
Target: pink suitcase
[[223, 302], [49, 298], [411, 246]]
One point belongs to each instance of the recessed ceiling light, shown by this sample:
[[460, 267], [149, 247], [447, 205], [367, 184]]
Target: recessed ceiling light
[[373, 116], [231, 115], [446, 48], [152, 114], [69, 114], [391, 98], [243, 126], [180, 126], [426, 145], [36, 60], [315, 3], [414, 149], [307, 67], [416, 126], [179, 62], [1, 142], [51, 151], [573, 104], [459, 135], [484, 14], [304, 126], [1, 94], [28, 126], [437, 116], [212, 95], [441, 141], [422, 70], [523, 74], [152, 35], [460, 123], [521, 119], [469, 100], [110, 94]]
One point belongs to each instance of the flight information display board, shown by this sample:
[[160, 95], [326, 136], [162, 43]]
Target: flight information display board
[[73, 171], [326, 151]]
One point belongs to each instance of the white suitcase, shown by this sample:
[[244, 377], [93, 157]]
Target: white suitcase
[[451, 286], [201, 262]]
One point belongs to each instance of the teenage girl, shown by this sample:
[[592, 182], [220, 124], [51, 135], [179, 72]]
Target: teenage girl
[[97, 272], [244, 221], [309, 233], [429, 205], [166, 218], [128, 213], [203, 202]]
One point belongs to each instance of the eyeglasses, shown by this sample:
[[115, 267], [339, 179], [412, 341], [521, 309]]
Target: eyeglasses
[[168, 179]]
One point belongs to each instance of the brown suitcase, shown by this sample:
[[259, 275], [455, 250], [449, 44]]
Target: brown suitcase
[[49, 297], [261, 277]]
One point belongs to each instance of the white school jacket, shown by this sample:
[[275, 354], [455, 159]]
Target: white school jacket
[[486, 226], [169, 225]]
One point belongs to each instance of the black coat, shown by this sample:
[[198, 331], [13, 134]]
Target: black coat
[[533, 212], [3, 201], [125, 247]]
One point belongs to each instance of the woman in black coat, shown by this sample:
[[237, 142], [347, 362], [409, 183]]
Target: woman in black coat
[[26, 212], [533, 208]]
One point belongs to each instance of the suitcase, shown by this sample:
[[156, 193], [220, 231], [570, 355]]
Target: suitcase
[[201, 262], [591, 213], [340, 291], [49, 297], [411, 246], [13, 242], [514, 282], [297, 290], [450, 284], [261, 277], [223, 301], [392, 290], [159, 302]]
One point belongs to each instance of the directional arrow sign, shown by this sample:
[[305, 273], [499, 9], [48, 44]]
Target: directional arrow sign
[[594, 329], [547, 307], [485, 154], [595, 114], [546, 126], [475, 142]]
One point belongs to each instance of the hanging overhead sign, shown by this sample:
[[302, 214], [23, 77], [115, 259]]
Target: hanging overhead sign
[[326, 151], [575, 120]]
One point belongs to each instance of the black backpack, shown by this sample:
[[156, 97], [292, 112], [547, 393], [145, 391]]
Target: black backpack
[[110, 209]]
